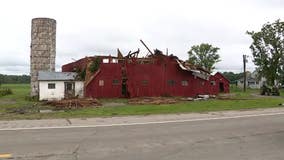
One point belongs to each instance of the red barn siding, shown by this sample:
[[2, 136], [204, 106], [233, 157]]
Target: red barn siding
[[160, 77], [137, 74], [108, 73], [80, 64], [219, 78]]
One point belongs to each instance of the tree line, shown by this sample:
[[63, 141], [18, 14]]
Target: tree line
[[12, 79], [233, 77]]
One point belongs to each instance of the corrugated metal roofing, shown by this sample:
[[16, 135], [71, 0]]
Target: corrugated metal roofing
[[57, 76], [195, 72]]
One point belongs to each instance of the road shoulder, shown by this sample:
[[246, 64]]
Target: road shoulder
[[134, 120]]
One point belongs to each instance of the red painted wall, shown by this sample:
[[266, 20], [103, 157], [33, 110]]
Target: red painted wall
[[108, 73], [219, 78], [162, 77], [81, 64]]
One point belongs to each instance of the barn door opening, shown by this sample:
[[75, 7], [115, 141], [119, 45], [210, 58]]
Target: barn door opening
[[69, 89], [221, 87], [124, 91]]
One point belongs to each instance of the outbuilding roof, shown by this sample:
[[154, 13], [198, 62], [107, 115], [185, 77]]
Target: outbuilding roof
[[56, 76]]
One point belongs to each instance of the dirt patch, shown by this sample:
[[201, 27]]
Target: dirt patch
[[7, 101], [264, 96], [227, 96], [153, 100], [113, 104]]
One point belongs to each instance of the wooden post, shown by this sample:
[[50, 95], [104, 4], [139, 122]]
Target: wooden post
[[167, 52], [146, 46]]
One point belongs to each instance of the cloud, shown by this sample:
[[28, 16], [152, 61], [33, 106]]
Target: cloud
[[100, 27]]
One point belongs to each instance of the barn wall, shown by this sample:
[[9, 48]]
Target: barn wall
[[80, 64], [162, 77], [145, 79], [219, 78], [109, 72]]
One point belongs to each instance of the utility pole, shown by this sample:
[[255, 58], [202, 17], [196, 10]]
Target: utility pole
[[245, 75]]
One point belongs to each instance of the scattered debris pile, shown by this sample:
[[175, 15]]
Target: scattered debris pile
[[168, 100], [198, 98], [74, 103], [153, 100]]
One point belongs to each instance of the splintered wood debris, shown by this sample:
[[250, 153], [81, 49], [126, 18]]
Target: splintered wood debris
[[74, 103]]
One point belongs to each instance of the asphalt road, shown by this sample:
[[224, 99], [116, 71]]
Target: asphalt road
[[249, 138]]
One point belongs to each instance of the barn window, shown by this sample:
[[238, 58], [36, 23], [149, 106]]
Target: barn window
[[115, 82], [184, 83], [213, 83], [101, 82], [171, 82], [114, 60], [105, 60], [144, 82], [51, 85]]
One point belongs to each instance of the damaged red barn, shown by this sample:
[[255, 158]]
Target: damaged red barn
[[155, 75]]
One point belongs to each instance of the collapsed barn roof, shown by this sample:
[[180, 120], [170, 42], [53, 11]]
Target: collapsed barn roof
[[150, 57]]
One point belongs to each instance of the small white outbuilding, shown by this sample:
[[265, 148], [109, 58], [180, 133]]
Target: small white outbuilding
[[59, 85]]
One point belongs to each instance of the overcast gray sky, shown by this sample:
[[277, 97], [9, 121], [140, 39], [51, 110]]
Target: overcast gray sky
[[89, 27]]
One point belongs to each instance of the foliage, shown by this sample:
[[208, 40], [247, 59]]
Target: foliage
[[15, 79], [5, 91], [95, 65], [81, 73], [268, 50], [233, 77], [204, 55]]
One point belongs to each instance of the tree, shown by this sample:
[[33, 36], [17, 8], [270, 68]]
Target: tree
[[232, 77], [204, 55], [4, 79], [268, 50]]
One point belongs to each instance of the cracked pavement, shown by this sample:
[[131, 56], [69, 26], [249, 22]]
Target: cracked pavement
[[248, 138]]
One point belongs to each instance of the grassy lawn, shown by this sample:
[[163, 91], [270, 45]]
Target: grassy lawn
[[17, 99], [238, 101]]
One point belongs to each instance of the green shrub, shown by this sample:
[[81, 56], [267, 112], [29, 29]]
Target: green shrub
[[31, 98], [95, 65], [81, 73], [5, 91]]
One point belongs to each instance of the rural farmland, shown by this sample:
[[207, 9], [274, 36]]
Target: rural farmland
[[12, 105]]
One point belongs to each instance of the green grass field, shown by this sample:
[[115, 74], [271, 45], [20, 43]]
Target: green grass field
[[17, 99], [238, 101]]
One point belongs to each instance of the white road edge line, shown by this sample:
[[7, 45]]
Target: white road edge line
[[145, 123]]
